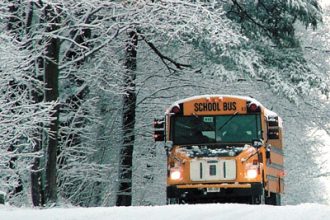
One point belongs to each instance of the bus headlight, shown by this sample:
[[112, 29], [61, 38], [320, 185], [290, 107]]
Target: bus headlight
[[175, 174], [251, 173]]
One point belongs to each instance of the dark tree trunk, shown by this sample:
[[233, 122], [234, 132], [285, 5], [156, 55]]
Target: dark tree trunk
[[17, 26], [37, 189], [37, 183], [124, 195], [51, 94]]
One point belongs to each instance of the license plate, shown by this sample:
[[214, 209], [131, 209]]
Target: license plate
[[212, 189]]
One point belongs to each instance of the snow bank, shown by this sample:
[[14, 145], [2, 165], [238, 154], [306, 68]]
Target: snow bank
[[171, 212]]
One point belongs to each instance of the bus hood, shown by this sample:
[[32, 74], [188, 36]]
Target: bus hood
[[210, 151]]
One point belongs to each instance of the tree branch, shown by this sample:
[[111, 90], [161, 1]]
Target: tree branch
[[165, 58], [106, 42], [240, 8], [316, 49]]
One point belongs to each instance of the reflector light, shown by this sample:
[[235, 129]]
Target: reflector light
[[175, 109], [159, 123], [253, 107]]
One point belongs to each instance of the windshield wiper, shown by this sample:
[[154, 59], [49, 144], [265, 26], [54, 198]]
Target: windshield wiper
[[226, 122], [202, 122]]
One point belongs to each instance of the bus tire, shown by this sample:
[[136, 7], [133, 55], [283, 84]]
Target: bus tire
[[255, 200], [172, 201], [273, 199]]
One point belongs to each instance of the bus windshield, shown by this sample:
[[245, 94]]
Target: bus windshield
[[216, 129]]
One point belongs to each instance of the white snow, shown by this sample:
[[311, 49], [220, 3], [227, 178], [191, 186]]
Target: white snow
[[172, 212]]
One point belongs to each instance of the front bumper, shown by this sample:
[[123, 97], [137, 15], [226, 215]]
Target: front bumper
[[224, 192]]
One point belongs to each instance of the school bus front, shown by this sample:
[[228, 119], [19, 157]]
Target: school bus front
[[216, 150]]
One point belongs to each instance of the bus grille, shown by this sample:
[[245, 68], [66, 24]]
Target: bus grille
[[212, 169]]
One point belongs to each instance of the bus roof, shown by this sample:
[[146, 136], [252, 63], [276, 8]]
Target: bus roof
[[247, 98]]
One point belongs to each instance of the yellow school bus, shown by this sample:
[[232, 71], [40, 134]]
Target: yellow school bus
[[222, 148]]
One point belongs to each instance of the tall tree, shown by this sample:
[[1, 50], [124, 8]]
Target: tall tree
[[51, 95], [37, 95], [124, 196], [15, 26]]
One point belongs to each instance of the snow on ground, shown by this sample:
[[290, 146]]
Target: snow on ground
[[171, 212]]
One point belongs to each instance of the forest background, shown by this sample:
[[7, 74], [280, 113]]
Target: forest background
[[81, 82]]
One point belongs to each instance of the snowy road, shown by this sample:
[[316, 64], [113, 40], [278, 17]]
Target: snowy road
[[173, 212]]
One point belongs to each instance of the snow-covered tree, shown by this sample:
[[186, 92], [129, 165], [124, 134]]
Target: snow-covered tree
[[21, 118]]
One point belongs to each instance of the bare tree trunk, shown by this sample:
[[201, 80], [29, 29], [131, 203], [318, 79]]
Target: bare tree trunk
[[37, 182], [51, 94], [37, 188], [124, 196], [17, 26], [37, 191]]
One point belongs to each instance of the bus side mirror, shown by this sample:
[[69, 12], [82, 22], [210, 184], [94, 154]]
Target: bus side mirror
[[159, 132], [268, 150], [257, 143]]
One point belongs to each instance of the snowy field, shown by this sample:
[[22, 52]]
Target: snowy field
[[172, 212]]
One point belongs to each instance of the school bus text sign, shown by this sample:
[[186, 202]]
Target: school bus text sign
[[214, 106]]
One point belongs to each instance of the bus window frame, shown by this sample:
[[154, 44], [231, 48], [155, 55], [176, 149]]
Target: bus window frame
[[256, 114]]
